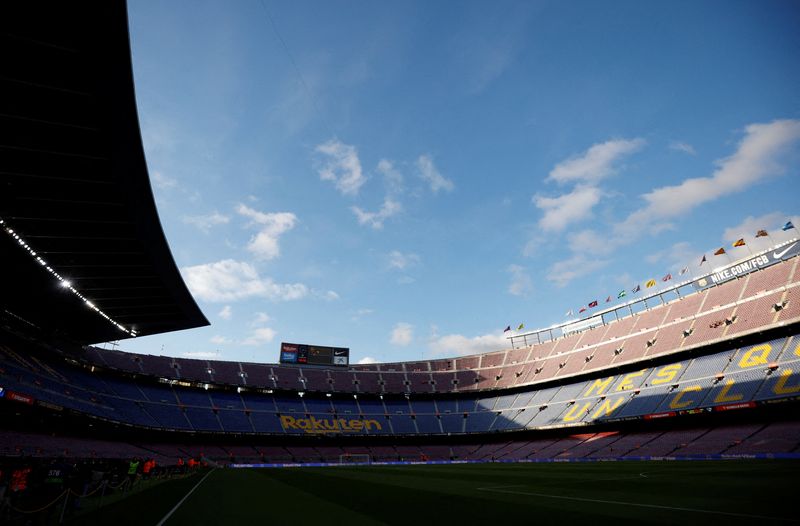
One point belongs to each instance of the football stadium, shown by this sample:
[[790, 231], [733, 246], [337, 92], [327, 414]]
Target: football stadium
[[675, 403]]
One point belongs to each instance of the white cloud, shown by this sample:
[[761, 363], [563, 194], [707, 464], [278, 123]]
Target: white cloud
[[402, 334], [684, 147], [393, 178], [231, 280], [405, 280], [260, 319], [206, 222], [342, 166], [758, 156], [750, 225], [623, 279], [163, 182], [328, 295], [376, 219], [562, 272], [675, 257], [400, 261], [260, 336], [491, 62], [367, 360], [429, 173], [560, 211], [521, 284], [226, 312], [264, 245], [360, 313], [202, 355], [588, 241], [596, 163], [459, 345], [257, 336]]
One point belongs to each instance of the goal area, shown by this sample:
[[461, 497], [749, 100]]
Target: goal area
[[354, 458]]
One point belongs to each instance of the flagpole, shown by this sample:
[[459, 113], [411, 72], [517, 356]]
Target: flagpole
[[744, 244]]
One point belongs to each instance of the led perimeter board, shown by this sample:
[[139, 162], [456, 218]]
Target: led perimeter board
[[298, 353]]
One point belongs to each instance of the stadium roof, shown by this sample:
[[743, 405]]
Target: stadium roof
[[74, 185]]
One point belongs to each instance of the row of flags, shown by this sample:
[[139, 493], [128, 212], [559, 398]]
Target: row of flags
[[508, 327], [652, 282]]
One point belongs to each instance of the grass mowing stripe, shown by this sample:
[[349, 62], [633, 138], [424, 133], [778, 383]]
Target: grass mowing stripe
[[141, 506], [178, 505], [640, 505], [259, 496], [614, 493]]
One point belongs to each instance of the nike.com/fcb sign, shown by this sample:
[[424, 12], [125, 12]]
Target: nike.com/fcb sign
[[302, 354], [749, 265]]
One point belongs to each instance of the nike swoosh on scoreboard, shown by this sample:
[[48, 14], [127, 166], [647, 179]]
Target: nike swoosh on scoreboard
[[779, 255]]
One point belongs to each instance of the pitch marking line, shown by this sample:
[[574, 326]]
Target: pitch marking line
[[178, 505], [501, 489]]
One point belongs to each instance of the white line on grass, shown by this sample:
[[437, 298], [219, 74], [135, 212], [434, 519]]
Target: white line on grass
[[178, 505], [501, 489]]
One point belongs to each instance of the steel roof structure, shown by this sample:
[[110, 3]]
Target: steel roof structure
[[75, 195]]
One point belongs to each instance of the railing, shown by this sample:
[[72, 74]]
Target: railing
[[627, 309]]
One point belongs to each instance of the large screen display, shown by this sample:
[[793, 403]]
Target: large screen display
[[302, 354]]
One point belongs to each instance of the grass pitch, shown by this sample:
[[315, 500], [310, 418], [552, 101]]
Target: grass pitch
[[729, 492]]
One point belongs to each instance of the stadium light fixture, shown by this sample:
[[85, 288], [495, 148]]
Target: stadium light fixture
[[65, 283]]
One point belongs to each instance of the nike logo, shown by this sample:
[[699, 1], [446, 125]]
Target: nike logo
[[779, 255]]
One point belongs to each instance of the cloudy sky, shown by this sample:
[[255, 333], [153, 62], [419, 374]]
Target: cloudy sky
[[409, 178]]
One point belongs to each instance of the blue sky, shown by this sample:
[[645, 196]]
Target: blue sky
[[409, 178]]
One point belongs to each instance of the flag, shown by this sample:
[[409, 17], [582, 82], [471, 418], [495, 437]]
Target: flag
[[761, 233], [787, 226], [667, 277], [521, 326], [637, 289], [650, 283], [684, 270], [569, 313], [608, 299], [621, 294], [739, 242], [583, 309], [720, 251], [508, 328], [703, 260], [593, 304]]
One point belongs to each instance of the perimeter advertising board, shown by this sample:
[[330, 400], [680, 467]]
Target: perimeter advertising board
[[735, 270]]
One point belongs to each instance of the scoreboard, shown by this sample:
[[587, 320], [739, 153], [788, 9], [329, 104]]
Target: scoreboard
[[298, 353]]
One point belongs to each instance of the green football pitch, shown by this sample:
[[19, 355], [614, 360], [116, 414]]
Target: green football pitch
[[720, 492]]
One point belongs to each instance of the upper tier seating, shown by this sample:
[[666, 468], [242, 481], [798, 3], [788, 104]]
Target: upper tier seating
[[750, 302], [761, 371]]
